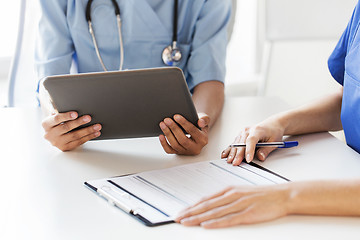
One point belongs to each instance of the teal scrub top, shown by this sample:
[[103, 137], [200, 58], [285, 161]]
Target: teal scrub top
[[147, 27], [344, 65]]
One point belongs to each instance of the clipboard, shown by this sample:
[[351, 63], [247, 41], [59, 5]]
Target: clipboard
[[156, 197], [128, 104]]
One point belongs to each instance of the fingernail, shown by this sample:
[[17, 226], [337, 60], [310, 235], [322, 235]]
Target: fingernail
[[86, 119], [97, 134], [162, 125], [262, 155], [97, 127], [202, 122], [177, 117], [73, 115], [205, 224], [167, 121], [248, 158], [223, 153], [185, 220]]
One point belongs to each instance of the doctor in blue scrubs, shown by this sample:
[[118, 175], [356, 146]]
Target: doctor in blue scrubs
[[146, 30], [341, 110]]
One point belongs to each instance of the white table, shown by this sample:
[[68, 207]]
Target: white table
[[43, 196]]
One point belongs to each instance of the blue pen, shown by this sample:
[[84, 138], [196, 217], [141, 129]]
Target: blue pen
[[270, 144]]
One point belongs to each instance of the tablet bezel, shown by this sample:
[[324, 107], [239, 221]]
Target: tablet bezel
[[128, 104]]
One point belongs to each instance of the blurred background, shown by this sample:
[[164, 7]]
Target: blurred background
[[287, 42], [9, 17], [275, 48]]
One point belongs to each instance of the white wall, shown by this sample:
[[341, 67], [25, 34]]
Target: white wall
[[298, 69], [8, 26], [240, 60]]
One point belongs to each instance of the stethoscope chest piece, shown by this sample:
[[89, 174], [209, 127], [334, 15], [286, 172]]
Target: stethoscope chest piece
[[171, 55]]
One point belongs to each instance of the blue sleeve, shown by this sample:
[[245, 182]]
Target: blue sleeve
[[54, 48], [336, 60], [208, 48]]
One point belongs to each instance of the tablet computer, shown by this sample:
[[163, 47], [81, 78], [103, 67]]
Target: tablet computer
[[128, 104]]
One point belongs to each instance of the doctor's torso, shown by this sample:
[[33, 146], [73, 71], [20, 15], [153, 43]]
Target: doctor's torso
[[147, 28]]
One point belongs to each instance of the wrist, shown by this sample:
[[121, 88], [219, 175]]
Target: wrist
[[293, 194], [277, 125], [282, 120]]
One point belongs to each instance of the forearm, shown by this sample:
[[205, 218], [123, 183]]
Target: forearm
[[208, 98], [322, 115], [336, 198]]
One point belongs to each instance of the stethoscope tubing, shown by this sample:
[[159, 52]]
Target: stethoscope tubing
[[175, 26], [92, 33], [172, 47], [88, 9]]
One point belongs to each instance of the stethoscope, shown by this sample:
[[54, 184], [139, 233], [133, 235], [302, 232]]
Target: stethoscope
[[171, 55]]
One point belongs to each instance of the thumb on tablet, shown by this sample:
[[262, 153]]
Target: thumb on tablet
[[204, 120]]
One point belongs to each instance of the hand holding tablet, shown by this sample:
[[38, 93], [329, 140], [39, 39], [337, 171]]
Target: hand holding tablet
[[126, 104], [174, 140]]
